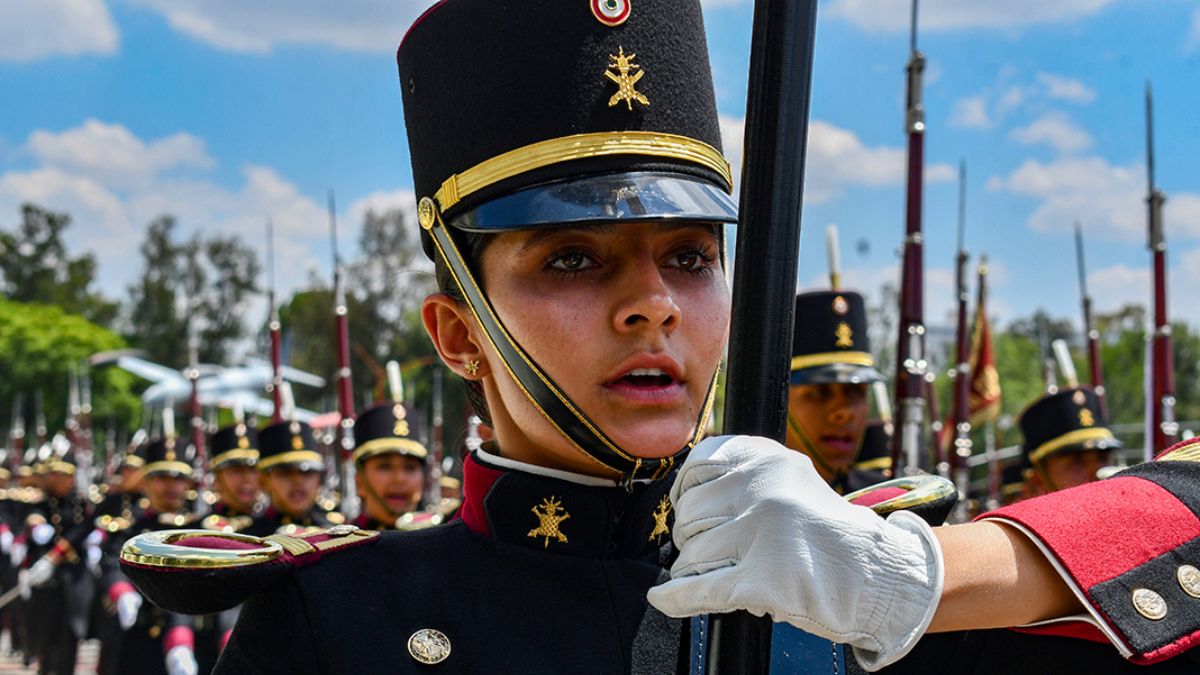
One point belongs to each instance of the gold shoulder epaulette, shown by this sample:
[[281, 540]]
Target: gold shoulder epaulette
[[222, 523], [113, 523], [335, 517], [177, 519], [1189, 452]]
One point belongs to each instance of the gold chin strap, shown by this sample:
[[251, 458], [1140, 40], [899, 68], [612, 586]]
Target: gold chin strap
[[809, 448], [542, 392]]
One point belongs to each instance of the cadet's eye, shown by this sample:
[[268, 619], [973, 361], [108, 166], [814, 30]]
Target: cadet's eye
[[571, 261], [694, 260]]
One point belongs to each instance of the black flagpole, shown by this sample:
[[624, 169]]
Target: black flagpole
[[764, 285]]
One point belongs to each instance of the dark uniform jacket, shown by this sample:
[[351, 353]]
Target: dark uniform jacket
[[271, 520], [540, 575]]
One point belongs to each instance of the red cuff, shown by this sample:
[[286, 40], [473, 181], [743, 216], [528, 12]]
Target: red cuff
[[118, 589], [179, 636]]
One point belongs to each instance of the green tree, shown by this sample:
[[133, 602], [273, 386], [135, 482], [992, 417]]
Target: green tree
[[37, 268], [196, 287], [39, 344]]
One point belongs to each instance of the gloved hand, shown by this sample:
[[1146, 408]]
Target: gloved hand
[[6, 539], [181, 661], [23, 584], [758, 529], [41, 572], [42, 534], [17, 554], [128, 605]]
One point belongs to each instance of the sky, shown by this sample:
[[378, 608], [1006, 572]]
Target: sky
[[227, 113]]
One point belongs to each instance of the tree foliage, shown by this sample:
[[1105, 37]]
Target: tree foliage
[[198, 287], [38, 346], [37, 268]]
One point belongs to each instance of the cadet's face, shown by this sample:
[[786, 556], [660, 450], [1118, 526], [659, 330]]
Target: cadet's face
[[834, 416], [292, 492], [238, 486], [396, 483], [630, 320], [1073, 468], [166, 493], [60, 484]]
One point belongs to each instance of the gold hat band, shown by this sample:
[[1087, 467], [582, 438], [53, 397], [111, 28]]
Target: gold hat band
[[249, 456], [1069, 438], [293, 457], [830, 358], [182, 468], [382, 446], [581, 146]]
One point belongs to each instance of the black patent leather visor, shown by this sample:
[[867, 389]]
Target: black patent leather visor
[[605, 198], [836, 373]]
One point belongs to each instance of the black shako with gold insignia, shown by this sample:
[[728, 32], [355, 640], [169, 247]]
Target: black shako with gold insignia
[[172, 457], [288, 444], [556, 114], [234, 445], [830, 342], [1070, 420], [386, 429]]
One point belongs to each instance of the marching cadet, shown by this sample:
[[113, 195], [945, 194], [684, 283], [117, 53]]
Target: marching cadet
[[572, 191], [389, 470], [234, 451], [122, 495], [1067, 440], [832, 369], [62, 587], [152, 640], [291, 470]]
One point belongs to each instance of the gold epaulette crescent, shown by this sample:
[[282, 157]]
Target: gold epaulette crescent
[[206, 571], [113, 523]]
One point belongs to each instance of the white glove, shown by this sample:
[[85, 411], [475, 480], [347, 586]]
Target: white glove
[[759, 530], [6, 541], [23, 583], [181, 661], [17, 554], [41, 572], [128, 605], [42, 534]]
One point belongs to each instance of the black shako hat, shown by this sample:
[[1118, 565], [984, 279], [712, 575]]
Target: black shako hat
[[552, 114], [173, 457], [829, 342], [288, 444], [545, 113], [385, 429], [1070, 420], [234, 445]]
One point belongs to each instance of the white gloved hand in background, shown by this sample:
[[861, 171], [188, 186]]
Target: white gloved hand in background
[[17, 554], [42, 534], [181, 661], [6, 540], [41, 572], [758, 529], [128, 605]]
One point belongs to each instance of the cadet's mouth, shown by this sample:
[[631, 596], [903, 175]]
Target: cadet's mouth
[[652, 379], [838, 442]]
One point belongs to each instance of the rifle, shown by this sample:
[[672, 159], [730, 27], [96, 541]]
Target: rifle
[[1163, 430], [275, 329], [962, 352], [196, 412], [910, 351], [345, 390], [835, 260], [1095, 366], [776, 140], [16, 433]]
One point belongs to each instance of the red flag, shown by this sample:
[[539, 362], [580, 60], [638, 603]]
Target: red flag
[[985, 379]]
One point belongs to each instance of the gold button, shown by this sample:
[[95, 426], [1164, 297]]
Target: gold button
[[1189, 579], [429, 646], [1149, 604]]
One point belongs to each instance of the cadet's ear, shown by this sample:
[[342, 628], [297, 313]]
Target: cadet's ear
[[455, 335]]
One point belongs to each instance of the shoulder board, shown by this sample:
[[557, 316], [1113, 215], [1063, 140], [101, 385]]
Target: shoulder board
[[204, 572], [335, 517], [177, 519], [418, 520], [113, 523], [1188, 451], [222, 523]]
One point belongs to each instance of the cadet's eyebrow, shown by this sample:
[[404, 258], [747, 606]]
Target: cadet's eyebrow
[[540, 235]]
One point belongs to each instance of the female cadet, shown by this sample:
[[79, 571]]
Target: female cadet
[[572, 196]]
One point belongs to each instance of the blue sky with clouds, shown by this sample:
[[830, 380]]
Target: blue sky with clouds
[[225, 112]]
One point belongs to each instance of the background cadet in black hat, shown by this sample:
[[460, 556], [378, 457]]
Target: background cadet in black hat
[[390, 467], [832, 367], [122, 494], [1067, 440], [291, 471], [234, 451]]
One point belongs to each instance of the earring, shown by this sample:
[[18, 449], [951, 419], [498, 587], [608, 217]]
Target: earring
[[472, 367]]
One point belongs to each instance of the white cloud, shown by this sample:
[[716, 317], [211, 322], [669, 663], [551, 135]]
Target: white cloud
[[837, 159], [937, 15], [1114, 287], [1108, 199], [111, 153], [113, 183], [374, 26], [1056, 130], [403, 199], [1066, 88], [36, 29], [970, 113]]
